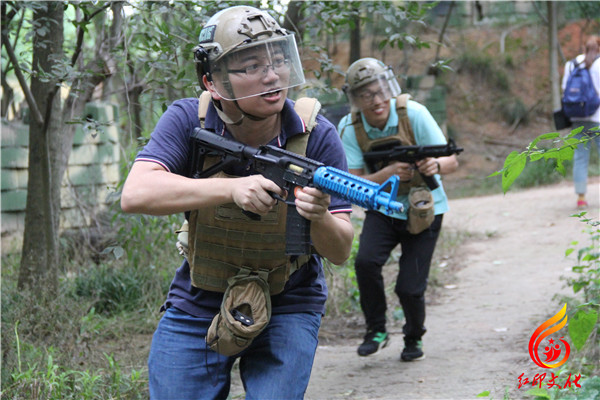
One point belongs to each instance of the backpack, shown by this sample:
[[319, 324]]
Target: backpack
[[580, 98]]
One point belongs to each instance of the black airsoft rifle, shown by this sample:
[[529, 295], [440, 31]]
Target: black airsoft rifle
[[383, 155], [289, 170]]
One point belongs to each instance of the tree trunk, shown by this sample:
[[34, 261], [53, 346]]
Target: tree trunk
[[39, 261], [51, 141], [355, 38], [293, 15], [554, 48]]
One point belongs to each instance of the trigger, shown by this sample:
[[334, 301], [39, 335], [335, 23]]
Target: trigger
[[278, 197]]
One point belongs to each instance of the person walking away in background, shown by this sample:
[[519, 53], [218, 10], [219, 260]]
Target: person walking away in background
[[379, 114], [245, 63], [590, 60]]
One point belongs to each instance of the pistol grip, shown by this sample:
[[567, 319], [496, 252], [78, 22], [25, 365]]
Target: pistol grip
[[430, 182]]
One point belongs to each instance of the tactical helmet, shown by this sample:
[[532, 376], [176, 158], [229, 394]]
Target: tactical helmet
[[370, 72], [247, 43]]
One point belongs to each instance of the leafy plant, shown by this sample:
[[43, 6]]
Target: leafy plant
[[484, 69], [537, 174], [112, 289], [583, 323], [54, 382], [558, 148], [588, 264], [341, 280], [488, 394]]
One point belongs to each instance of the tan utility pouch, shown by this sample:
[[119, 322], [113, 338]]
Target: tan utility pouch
[[182, 239], [420, 210], [245, 313]]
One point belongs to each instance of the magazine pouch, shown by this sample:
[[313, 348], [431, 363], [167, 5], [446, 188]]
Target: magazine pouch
[[244, 314], [420, 211]]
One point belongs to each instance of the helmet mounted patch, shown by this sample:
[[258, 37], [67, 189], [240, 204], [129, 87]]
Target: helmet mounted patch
[[207, 34]]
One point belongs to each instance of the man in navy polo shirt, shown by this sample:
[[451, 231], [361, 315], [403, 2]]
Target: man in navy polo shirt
[[247, 63]]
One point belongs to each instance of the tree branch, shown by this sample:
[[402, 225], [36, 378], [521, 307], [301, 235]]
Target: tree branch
[[81, 33], [443, 31], [22, 82]]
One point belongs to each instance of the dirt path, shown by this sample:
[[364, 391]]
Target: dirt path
[[479, 330]]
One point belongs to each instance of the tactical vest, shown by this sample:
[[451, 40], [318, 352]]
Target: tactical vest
[[405, 136], [223, 241]]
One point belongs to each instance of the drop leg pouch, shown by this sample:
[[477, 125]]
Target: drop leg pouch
[[244, 314], [420, 211]]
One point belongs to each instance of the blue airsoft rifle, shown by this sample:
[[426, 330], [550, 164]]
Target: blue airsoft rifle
[[381, 156], [289, 170]]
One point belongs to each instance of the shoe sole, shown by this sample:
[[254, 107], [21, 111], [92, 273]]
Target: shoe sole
[[385, 343], [412, 359]]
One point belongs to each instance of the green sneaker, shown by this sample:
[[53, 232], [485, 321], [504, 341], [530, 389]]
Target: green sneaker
[[373, 342], [413, 350]]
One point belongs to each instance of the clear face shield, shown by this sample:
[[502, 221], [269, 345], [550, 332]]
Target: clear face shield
[[266, 67], [384, 87]]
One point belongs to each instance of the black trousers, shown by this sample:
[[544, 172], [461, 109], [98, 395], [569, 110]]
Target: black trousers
[[380, 235]]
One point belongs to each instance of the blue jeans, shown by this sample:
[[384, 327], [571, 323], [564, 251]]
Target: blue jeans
[[277, 364], [581, 157]]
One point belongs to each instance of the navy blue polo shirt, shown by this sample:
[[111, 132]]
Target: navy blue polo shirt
[[169, 146]]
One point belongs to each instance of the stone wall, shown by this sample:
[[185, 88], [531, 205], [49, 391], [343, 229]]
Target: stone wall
[[89, 182]]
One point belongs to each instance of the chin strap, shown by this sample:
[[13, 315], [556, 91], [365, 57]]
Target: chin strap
[[225, 118], [245, 114]]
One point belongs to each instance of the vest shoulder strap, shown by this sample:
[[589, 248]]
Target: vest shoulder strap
[[402, 100], [360, 133], [307, 108], [203, 102], [405, 131]]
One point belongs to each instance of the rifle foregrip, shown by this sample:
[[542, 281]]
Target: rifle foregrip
[[357, 190]]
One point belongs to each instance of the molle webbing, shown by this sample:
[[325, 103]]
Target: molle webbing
[[405, 133], [223, 240]]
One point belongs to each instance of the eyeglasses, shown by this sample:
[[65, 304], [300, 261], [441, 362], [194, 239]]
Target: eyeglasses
[[278, 65], [368, 97]]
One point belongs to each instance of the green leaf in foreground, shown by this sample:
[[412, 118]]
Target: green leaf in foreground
[[539, 393], [581, 326], [513, 166]]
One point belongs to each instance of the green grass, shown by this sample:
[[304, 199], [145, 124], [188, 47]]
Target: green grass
[[71, 346]]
